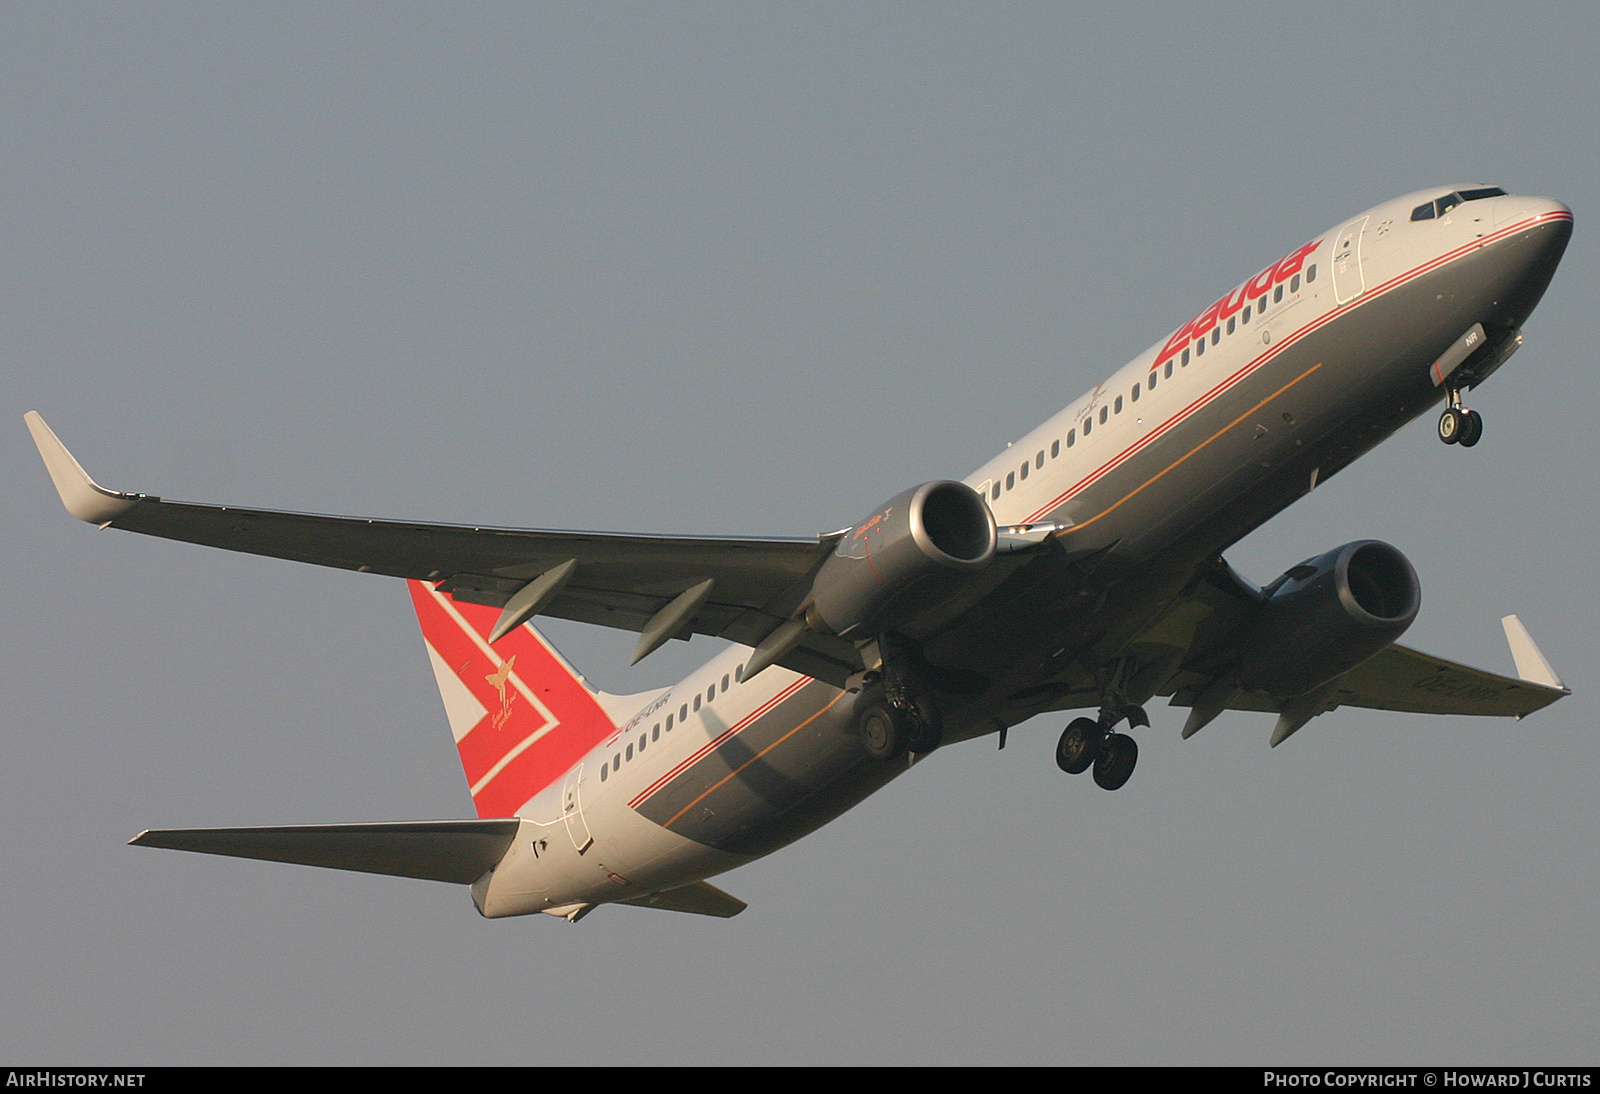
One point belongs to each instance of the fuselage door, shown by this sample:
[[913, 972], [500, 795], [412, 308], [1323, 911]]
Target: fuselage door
[[572, 811], [1347, 282]]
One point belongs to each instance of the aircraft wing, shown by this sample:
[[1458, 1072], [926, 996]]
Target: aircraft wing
[[1187, 655], [615, 580], [1403, 679]]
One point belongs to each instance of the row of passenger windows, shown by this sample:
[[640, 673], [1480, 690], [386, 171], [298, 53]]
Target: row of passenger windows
[[1156, 374], [682, 716]]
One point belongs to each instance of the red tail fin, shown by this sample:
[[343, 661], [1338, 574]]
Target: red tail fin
[[520, 715]]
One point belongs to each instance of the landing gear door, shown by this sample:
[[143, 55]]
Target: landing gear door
[[1347, 281], [572, 811]]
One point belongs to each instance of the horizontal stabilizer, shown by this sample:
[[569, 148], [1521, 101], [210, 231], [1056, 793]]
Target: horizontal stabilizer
[[457, 850], [699, 898]]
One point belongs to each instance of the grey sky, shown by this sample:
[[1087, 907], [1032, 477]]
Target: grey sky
[[752, 269]]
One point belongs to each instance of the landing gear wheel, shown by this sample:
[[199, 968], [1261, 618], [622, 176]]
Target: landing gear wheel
[[1116, 761], [881, 727], [1452, 423], [1079, 745], [1471, 429], [924, 728]]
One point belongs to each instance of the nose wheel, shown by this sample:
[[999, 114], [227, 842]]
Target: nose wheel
[[1458, 425]]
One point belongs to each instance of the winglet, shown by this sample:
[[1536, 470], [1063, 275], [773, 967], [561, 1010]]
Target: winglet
[[1531, 665], [83, 497]]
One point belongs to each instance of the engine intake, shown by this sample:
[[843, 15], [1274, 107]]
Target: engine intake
[[1327, 615], [914, 551]]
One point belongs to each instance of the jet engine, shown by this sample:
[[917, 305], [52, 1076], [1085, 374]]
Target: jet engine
[[904, 559], [1327, 615]]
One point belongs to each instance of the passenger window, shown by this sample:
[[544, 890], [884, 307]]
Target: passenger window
[[1055, 449], [738, 674], [711, 693], [643, 740], [1185, 358], [1151, 379], [1134, 395], [1023, 473], [630, 753], [1071, 439], [724, 683], [1277, 294], [1011, 479], [683, 713], [655, 732], [616, 762], [1199, 348], [1244, 316], [1216, 335], [605, 769], [669, 723], [1311, 273], [1038, 461], [697, 700], [1088, 424], [1119, 404], [1294, 283], [997, 488], [1105, 412], [1167, 372]]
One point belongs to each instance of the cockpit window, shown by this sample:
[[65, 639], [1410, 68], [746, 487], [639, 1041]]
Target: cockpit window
[[1443, 205]]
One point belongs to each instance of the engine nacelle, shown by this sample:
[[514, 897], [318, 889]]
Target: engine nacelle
[[913, 551], [1327, 615]]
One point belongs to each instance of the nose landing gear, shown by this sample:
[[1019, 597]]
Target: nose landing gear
[[1458, 425]]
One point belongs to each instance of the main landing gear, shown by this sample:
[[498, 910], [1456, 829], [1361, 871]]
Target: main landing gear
[[1093, 742], [1458, 425], [1090, 742], [893, 715]]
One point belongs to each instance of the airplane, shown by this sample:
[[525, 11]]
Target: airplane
[[1079, 569]]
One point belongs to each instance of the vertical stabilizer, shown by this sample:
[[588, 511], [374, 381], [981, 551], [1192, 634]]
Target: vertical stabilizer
[[521, 715]]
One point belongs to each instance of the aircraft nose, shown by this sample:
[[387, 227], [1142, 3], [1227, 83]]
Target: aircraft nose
[[1533, 235], [1513, 209]]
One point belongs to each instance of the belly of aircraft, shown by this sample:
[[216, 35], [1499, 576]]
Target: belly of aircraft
[[785, 774]]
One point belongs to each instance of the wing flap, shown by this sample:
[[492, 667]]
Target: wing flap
[[455, 851]]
